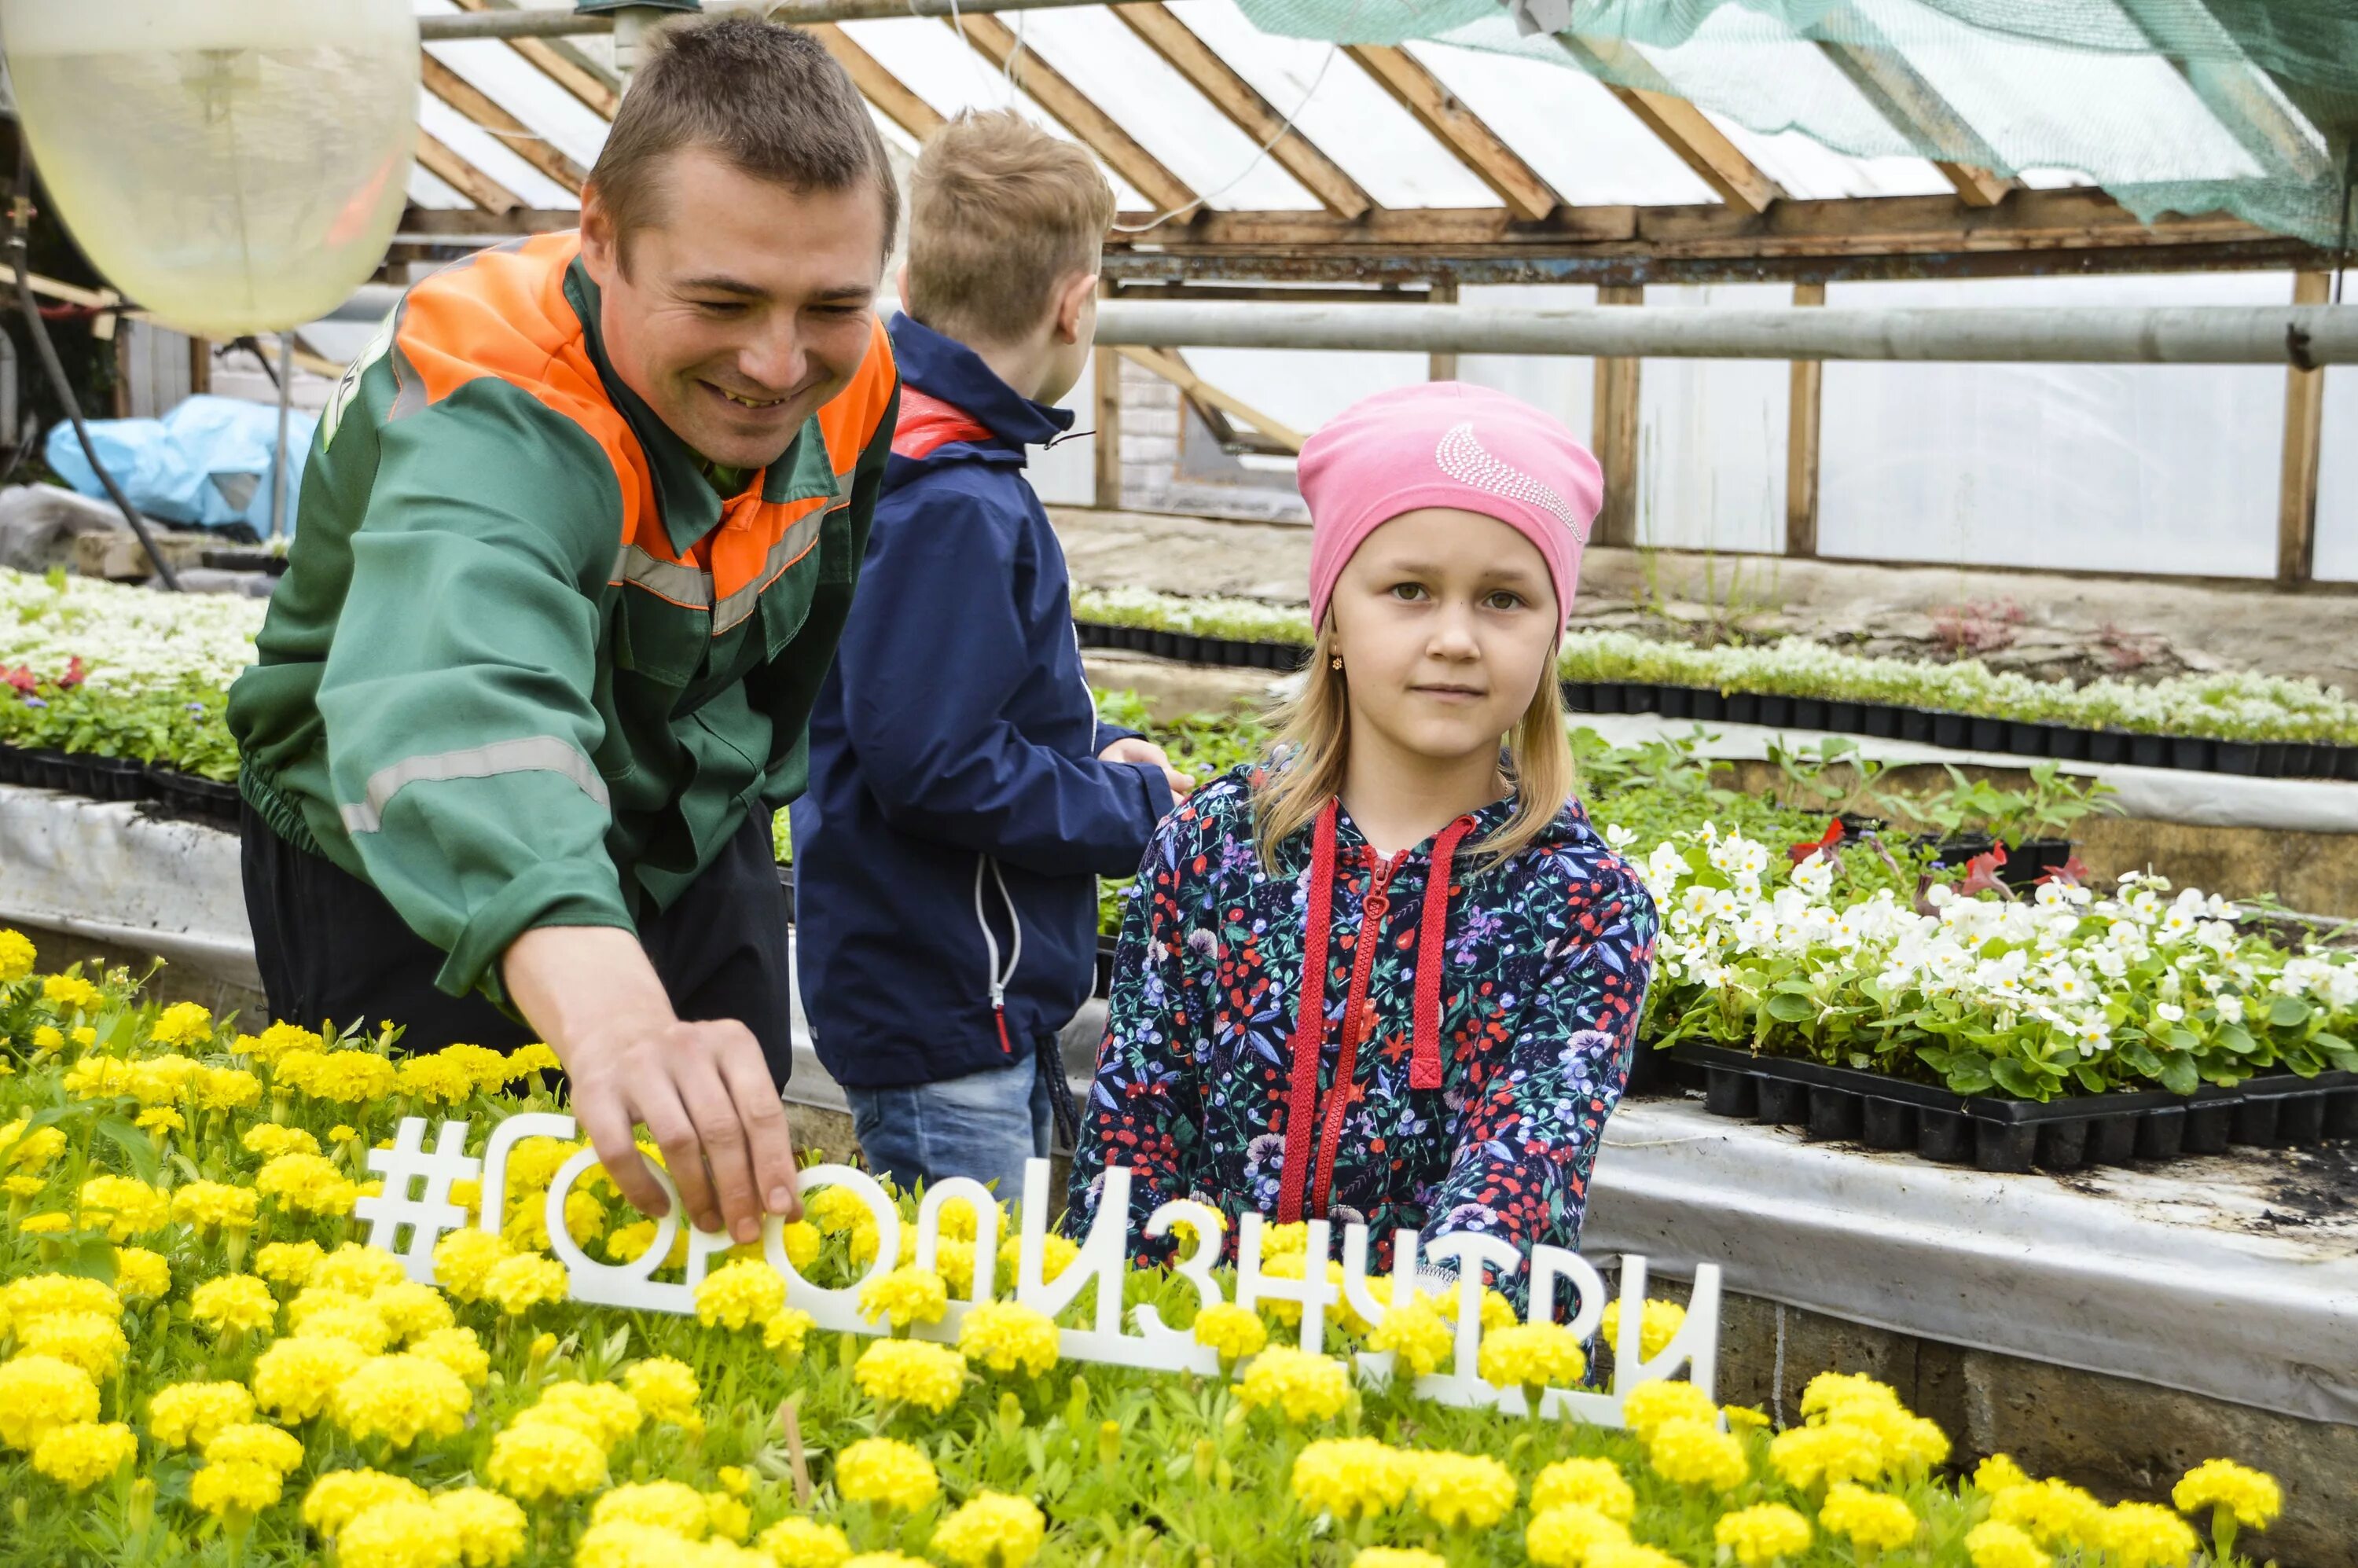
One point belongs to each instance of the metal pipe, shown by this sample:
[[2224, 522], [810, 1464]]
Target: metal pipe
[[540, 24], [2305, 336], [278, 458]]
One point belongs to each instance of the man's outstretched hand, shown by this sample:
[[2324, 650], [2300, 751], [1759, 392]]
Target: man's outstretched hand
[[1131, 749], [702, 1090]]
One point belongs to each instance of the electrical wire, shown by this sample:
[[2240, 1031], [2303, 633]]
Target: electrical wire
[[48, 352], [1285, 130]]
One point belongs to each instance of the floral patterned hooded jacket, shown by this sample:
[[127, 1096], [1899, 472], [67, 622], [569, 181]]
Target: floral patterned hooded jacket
[[1534, 970]]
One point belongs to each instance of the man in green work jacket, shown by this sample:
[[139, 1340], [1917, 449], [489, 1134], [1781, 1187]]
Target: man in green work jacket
[[579, 531]]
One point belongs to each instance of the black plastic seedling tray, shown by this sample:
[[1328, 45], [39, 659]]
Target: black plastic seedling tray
[[1994, 1133]]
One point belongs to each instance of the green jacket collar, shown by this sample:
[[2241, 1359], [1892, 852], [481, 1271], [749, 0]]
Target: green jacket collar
[[689, 506]]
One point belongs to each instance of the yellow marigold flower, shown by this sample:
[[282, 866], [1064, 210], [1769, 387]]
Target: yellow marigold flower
[[306, 1184], [484, 1067], [1828, 1390], [348, 1077], [81, 1455], [490, 1528], [886, 1471], [1909, 1443], [629, 1243], [226, 1088], [339, 1495], [435, 1079], [1745, 1418], [277, 1040], [2251, 1498], [992, 1529], [1587, 1482], [333, 1315], [401, 1398], [1630, 1555], [111, 1077], [40, 1393], [1396, 1557], [411, 1310], [835, 1210], [904, 1296], [2056, 1513], [215, 1206], [797, 1542], [533, 1163], [1567, 1536], [34, 1151], [1995, 1544], [21, 1187], [458, 1349], [1697, 1454], [195, 1413], [1304, 1386], [1872, 1520], [533, 1058], [235, 1301], [531, 1460], [1650, 1405], [398, 1535], [71, 993], [730, 1519], [52, 1223], [1008, 1337], [293, 1378], [1999, 1472], [1809, 1457], [740, 1295], [1416, 1333], [463, 1262], [46, 1037], [1057, 1253], [786, 1331], [1498, 1312], [269, 1140], [2144, 1535], [124, 1206], [665, 1390], [358, 1271], [624, 1543], [1659, 1322], [1284, 1241], [1463, 1491], [42, 1295], [1350, 1478], [600, 1411], [141, 1275], [886, 1560], [520, 1283], [1762, 1533], [911, 1371], [235, 1491], [16, 956], [667, 1505], [183, 1024], [83, 1340], [1230, 1331], [162, 1120], [1532, 1355], [255, 1442], [84, 1038]]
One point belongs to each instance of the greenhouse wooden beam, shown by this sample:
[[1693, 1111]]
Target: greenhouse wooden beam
[[1174, 369], [596, 89], [2036, 232], [1613, 432], [1245, 108], [512, 133], [1678, 124], [1441, 365], [1807, 398], [437, 158], [2303, 449], [1457, 128], [878, 85], [1904, 96], [2231, 87], [1074, 110], [555, 23]]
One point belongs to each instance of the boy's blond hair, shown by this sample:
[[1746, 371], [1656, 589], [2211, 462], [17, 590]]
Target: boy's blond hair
[[1000, 214]]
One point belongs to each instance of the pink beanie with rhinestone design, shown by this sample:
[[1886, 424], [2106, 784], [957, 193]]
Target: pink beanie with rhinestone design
[[1447, 443]]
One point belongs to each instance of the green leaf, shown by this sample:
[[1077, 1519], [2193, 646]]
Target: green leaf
[[2140, 1055], [1969, 1080], [1787, 1008], [91, 1256], [2089, 1079], [136, 1147], [2236, 1038], [2020, 1081], [2338, 1050], [2288, 1012], [2178, 1075]]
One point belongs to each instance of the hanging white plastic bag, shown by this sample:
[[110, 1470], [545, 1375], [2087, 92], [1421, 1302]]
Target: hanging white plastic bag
[[233, 165]]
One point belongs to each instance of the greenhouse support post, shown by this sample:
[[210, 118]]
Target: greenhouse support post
[[1807, 397], [1107, 371], [1614, 432], [1441, 364], [2303, 446]]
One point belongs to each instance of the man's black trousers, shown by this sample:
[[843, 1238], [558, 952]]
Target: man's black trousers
[[331, 948]]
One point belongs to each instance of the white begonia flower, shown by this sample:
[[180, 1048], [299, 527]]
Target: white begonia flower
[[2229, 1006], [2168, 1013], [1619, 837], [1816, 875]]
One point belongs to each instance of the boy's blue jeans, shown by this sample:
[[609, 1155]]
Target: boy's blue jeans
[[983, 1126]]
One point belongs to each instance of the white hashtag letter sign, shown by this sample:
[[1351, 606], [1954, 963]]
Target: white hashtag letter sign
[[431, 1213]]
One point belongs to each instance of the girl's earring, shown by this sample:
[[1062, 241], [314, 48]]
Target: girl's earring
[[1335, 663]]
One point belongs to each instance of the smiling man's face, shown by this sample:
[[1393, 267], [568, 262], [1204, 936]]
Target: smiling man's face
[[742, 308]]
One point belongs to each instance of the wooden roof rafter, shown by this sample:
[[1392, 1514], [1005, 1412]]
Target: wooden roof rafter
[[885, 91], [595, 88], [1076, 110], [1905, 98], [1414, 88], [512, 133], [1679, 124], [437, 158], [1243, 106]]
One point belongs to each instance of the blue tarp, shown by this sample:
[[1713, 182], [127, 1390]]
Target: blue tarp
[[206, 464]]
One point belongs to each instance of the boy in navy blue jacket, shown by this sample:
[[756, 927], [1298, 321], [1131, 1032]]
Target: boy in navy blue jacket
[[964, 797]]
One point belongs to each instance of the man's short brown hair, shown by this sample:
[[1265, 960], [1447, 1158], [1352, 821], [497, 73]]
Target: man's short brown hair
[[1000, 213], [766, 98]]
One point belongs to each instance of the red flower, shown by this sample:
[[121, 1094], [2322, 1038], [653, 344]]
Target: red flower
[[2072, 872], [1981, 871], [1796, 853]]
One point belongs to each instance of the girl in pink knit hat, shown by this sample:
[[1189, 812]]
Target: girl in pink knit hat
[[1393, 974]]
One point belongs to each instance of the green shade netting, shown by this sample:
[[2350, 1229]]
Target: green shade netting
[[2243, 106]]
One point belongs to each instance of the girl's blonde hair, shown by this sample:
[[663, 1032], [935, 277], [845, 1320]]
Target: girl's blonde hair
[[1314, 737]]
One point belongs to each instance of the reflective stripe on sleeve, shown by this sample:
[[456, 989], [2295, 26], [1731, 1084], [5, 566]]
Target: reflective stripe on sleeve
[[532, 754]]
